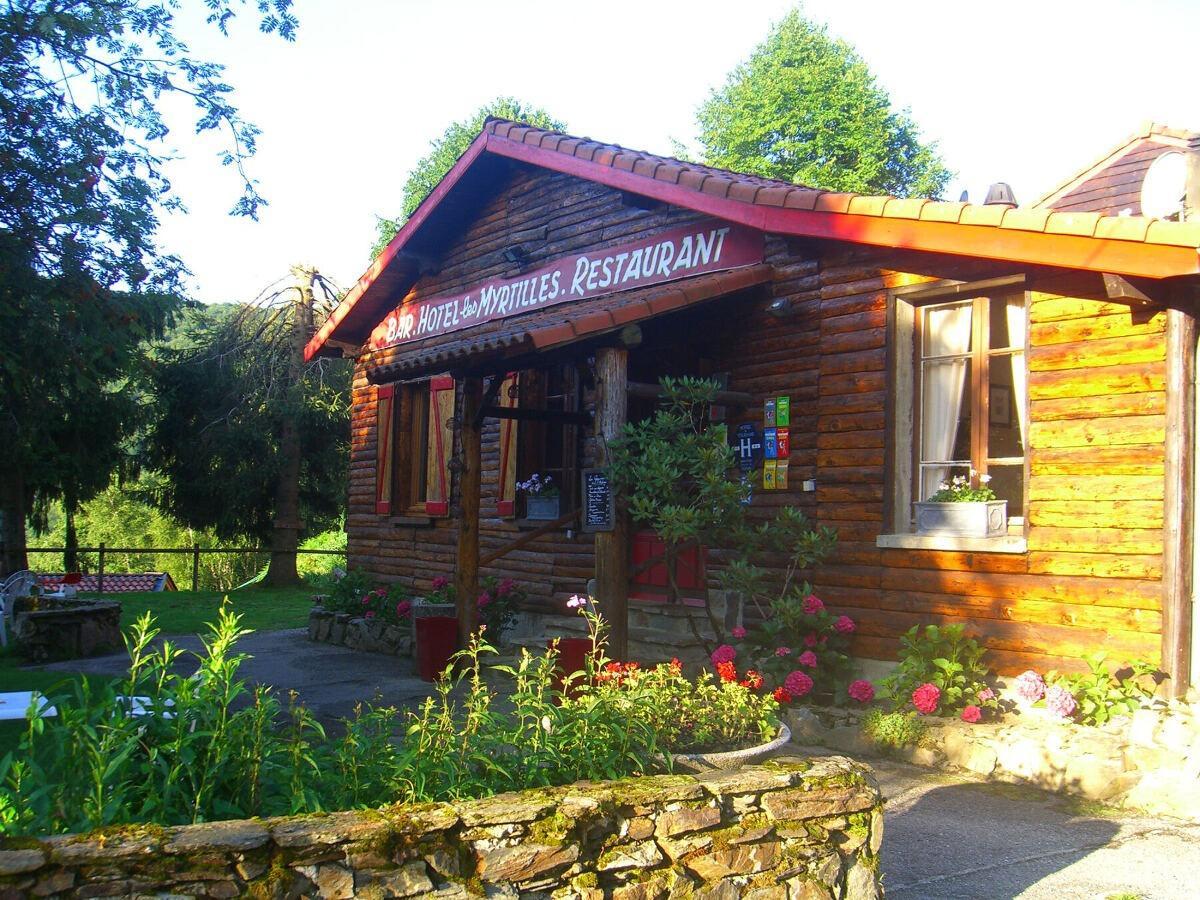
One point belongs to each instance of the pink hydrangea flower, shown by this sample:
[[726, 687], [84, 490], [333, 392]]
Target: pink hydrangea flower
[[811, 640], [1059, 701], [403, 609], [1030, 686], [370, 614], [844, 624], [808, 658], [505, 587], [813, 605], [798, 683], [440, 582], [738, 632], [987, 694], [576, 602], [926, 698], [971, 714], [483, 600], [861, 690], [723, 654], [783, 651]]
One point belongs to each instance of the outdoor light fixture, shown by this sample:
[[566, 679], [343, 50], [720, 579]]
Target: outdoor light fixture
[[1000, 194], [517, 256], [781, 308]]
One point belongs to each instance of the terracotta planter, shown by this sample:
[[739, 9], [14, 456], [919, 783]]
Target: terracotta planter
[[984, 518], [542, 508], [730, 759]]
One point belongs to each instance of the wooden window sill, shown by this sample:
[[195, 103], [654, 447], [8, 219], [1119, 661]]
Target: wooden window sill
[[414, 520], [1004, 544]]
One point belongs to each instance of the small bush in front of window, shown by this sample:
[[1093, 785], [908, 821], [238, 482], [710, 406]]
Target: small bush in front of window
[[1099, 695], [960, 489], [941, 672]]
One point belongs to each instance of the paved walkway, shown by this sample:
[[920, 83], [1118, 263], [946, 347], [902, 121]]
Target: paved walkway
[[944, 837]]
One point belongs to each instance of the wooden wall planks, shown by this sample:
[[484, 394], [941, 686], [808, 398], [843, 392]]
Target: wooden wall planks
[[1092, 575]]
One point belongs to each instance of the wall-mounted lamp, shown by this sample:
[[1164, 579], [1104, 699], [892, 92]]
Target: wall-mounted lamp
[[517, 256], [782, 308]]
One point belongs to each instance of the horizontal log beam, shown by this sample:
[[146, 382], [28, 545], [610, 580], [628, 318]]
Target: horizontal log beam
[[524, 539], [722, 398], [537, 415]]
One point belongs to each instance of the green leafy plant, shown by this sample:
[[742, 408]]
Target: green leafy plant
[[676, 473], [1101, 694], [947, 659], [961, 489], [893, 730], [344, 591], [498, 603]]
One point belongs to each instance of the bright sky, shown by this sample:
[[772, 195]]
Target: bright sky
[[1026, 91]]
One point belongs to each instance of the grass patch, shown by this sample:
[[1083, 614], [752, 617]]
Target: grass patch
[[191, 612]]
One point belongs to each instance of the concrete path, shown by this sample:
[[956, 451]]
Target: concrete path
[[330, 680], [949, 837], [944, 836]]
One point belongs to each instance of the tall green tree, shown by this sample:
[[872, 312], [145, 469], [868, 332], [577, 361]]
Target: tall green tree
[[804, 108], [81, 191], [250, 445], [444, 153]]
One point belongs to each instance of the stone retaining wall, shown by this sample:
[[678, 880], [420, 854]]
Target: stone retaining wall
[[358, 633], [1149, 761], [53, 629], [790, 828]]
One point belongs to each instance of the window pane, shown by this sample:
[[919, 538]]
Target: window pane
[[946, 329], [1009, 484], [1004, 413], [945, 410]]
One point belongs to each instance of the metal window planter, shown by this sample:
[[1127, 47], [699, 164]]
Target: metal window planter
[[983, 518]]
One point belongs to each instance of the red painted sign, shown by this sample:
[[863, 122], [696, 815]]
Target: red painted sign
[[680, 253]]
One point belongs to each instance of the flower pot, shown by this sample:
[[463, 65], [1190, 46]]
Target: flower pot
[[541, 508], [730, 759], [572, 657], [983, 518], [437, 641]]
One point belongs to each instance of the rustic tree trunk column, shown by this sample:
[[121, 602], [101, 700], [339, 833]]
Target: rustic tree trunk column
[[467, 583], [612, 547], [1177, 501]]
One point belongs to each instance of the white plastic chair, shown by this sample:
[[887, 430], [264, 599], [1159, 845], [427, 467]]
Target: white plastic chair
[[18, 584]]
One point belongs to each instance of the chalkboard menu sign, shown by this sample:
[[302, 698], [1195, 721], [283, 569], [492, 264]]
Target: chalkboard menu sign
[[599, 513]]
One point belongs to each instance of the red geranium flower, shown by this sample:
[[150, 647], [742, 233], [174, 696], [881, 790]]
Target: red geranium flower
[[782, 696], [727, 671]]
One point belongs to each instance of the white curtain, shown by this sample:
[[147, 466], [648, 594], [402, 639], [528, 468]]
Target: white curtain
[[947, 331], [1016, 338]]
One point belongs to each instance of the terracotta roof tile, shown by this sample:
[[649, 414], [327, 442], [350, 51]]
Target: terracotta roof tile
[[831, 202], [742, 192], [1026, 219], [691, 178], [802, 198], [771, 196], [717, 186], [669, 172], [861, 205], [897, 208], [1161, 232], [624, 161], [1081, 223], [605, 155], [942, 211], [973, 214], [1122, 228]]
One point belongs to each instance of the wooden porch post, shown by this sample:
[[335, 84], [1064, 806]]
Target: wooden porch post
[[612, 547], [467, 581], [1177, 502]]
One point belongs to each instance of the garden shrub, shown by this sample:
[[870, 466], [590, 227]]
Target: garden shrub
[[941, 672], [1094, 697], [893, 730]]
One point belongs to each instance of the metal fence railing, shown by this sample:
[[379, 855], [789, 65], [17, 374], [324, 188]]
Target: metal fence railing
[[195, 550]]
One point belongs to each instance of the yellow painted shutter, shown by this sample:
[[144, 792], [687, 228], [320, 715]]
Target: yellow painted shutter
[[506, 502], [385, 411], [441, 445]]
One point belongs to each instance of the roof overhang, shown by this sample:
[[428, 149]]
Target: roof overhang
[[1084, 241]]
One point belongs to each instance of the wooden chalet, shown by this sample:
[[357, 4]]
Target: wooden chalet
[[532, 302]]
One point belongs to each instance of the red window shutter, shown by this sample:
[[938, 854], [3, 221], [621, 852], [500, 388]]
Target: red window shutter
[[385, 412], [440, 447], [506, 506]]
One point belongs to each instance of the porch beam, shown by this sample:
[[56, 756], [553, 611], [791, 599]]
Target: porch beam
[[1178, 507], [521, 414], [467, 571], [612, 547]]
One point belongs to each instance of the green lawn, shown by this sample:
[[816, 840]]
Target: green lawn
[[175, 612], [189, 612]]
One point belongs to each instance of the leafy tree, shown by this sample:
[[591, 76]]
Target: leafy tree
[[804, 108], [444, 153], [250, 444], [81, 190]]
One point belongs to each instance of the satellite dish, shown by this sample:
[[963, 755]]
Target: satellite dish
[[1164, 185]]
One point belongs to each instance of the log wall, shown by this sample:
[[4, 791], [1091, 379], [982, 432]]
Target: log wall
[[1091, 578]]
